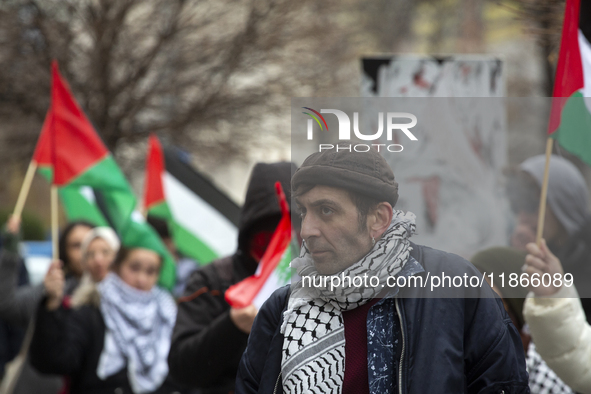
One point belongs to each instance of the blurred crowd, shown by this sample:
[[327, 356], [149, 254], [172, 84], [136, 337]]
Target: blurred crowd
[[99, 323]]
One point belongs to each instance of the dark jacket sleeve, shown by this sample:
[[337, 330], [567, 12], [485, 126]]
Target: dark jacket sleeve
[[494, 353], [17, 304], [61, 340], [260, 365], [494, 360], [206, 345]]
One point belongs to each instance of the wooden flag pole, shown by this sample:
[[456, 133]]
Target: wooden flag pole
[[54, 224], [544, 193], [22, 195]]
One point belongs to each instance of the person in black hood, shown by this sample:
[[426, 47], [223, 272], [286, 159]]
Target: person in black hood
[[209, 336]]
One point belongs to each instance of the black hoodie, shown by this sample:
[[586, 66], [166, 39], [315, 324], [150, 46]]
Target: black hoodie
[[206, 345]]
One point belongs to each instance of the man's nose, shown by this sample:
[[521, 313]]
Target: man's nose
[[310, 227]]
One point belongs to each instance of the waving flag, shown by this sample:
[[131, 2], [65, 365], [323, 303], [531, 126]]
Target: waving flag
[[273, 271], [202, 220], [570, 117], [92, 187]]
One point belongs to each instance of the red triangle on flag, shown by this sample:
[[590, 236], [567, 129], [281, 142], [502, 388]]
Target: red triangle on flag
[[569, 70], [68, 141], [243, 293], [154, 190]]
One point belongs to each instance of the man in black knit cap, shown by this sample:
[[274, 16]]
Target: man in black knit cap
[[345, 327]]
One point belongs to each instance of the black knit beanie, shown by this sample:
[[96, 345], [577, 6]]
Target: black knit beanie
[[364, 173]]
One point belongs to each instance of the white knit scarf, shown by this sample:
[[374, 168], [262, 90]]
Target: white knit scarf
[[314, 335], [138, 329]]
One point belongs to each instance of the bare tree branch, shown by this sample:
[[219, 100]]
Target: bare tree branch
[[198, 72]]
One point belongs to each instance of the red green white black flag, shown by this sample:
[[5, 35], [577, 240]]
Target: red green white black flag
[[570, 117], [273, 270], [202, 220]]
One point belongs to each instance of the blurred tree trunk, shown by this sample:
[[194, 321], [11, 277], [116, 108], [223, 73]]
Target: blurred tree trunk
[[471, 39], [543, 19], [388, 22]]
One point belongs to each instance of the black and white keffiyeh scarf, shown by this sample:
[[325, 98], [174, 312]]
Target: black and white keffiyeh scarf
[[313, 358], [138, 330]]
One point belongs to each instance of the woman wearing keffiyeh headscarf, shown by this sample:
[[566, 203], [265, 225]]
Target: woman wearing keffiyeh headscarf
[[119, 344]]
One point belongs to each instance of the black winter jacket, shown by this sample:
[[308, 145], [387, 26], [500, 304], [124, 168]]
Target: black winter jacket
[[11, 336], [17, 307], [451, 345], [206, 345]]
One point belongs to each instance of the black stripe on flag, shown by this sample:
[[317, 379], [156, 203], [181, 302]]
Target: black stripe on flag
[[99, 199], [200, 185], [585, 19]]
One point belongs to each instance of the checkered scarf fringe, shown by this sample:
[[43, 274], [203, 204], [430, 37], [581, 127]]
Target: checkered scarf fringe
[[543, 380], [314, 336]]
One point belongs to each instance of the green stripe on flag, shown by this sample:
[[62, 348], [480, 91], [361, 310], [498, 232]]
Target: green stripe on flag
[[283, 269], [46, 172], [191, 246], [116, 196], [78, 207], [161, 211], [574, 133], [186, 242], [104, 174]]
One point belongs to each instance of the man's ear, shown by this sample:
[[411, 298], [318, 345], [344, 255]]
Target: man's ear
[[382, 217]]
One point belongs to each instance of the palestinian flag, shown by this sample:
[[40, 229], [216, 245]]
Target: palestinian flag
[[92, 187], [78, 201], [202, 219], [273, 271], [570, 117]]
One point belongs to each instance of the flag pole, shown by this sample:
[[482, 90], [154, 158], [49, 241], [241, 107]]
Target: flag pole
[[22, 195], [544, 192], [54, 224]]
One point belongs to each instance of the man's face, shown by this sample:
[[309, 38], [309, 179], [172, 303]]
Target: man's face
[[330, 227]]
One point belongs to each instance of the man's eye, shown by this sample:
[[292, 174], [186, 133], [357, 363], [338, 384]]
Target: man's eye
[[325, 211]]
